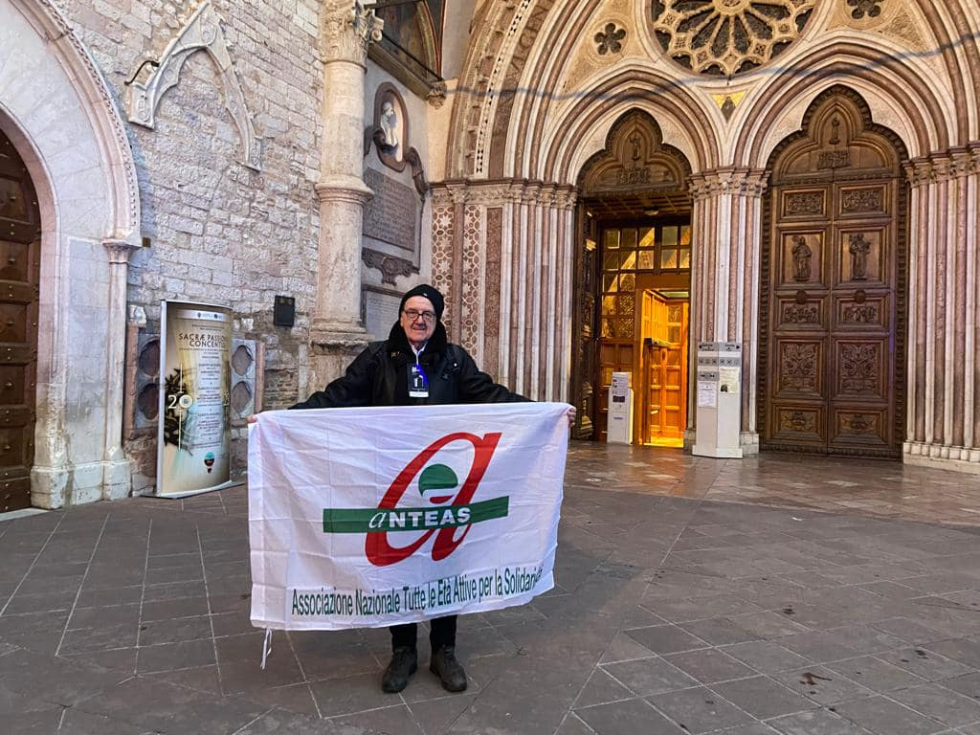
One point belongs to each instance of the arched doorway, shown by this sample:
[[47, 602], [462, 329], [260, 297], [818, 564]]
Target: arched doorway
[[20, 268], [633, 282], [833, 286]]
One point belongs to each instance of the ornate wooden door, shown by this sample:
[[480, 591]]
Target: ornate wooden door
[[834, 287], [583, 330], [20, 236]]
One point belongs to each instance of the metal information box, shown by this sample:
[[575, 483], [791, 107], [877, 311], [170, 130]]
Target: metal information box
[[620, 428], [719, 404]]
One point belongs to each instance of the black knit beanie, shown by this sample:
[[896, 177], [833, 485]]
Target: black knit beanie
[[426, 291]]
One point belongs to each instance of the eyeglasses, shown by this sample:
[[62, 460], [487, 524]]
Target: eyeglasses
[[414, 314]]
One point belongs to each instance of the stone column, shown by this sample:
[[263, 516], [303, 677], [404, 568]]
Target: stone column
[[337, 331], [564, 296], [116, 482], [503, 256], [727, 230], [944, 310]]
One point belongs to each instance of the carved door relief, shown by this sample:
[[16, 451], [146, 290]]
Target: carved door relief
[[584, 328], [834, 279], [20, 245]]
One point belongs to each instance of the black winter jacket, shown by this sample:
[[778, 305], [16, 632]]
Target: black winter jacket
[[379, 376]]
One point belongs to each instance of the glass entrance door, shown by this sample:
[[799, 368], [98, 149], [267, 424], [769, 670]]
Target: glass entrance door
[[636, 262]]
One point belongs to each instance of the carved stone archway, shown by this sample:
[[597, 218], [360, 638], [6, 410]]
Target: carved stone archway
[[636, 176], [75, 147]]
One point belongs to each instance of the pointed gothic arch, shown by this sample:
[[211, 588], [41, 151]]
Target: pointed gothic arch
[[75, 147]]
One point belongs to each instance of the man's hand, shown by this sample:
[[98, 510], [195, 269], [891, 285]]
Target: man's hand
[[571, 415]]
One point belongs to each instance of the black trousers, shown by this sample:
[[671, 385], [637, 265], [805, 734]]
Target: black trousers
[[442, 632]]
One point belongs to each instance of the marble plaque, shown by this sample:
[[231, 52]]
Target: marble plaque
[[392, 216], [381, 312]]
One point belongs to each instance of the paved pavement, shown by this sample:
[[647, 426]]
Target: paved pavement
[[775, 595]]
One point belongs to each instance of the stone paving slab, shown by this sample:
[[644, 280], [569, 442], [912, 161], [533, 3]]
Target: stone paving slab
[[773, 595]]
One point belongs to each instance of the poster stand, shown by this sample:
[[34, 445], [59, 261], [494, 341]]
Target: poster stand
[[194, 431]]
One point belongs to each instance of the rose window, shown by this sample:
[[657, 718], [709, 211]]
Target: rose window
[[725, 37]]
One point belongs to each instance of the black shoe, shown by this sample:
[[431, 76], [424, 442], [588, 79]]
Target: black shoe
[[448, 669], [404, 662]]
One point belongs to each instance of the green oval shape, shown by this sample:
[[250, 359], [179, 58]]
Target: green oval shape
[[437, 477]]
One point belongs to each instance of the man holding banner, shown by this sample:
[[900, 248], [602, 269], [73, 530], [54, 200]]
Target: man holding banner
[[415, 366]]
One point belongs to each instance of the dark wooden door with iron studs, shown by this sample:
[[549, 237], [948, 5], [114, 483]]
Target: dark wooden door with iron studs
[[20, 251]]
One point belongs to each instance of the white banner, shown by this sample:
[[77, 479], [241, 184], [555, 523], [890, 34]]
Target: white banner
[[367, 517]]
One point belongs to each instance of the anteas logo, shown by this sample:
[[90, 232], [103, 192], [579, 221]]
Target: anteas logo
[[435, 483]]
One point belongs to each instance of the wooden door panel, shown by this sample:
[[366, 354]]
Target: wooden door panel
[[13, 448], [15, 260], [13, 384], [806, 203], [862, 257], [862, 201], [860, 368], [861, 311], [17, 354], [803, 260], [614, 357], [799, 369], [853, 427], [803, 311], [15, 489], [799, 424], [15, 322]]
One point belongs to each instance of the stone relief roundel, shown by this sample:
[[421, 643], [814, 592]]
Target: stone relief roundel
[[725, 37]]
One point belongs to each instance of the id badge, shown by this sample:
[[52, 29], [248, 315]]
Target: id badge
[[418, 384]]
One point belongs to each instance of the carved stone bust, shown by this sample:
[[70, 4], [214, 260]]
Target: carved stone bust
[[389, 126]]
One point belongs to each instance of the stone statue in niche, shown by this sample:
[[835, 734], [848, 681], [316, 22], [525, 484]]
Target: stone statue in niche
[[389, 126], [801, 259], [859, 249], [635, 142]]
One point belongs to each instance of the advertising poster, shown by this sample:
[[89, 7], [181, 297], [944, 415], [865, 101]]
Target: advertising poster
[[194, 437]]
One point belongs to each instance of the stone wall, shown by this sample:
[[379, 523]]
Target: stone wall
[[220, 232]]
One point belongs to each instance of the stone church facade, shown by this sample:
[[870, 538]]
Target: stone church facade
[[596, 185]]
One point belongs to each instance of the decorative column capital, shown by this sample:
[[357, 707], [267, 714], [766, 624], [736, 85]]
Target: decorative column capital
[[566, 196], [733, 181], [347, 29], [548, 195], [440, 195], [942, 166], [919, 172], [119, 250], [458, 193], [489, 195]]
